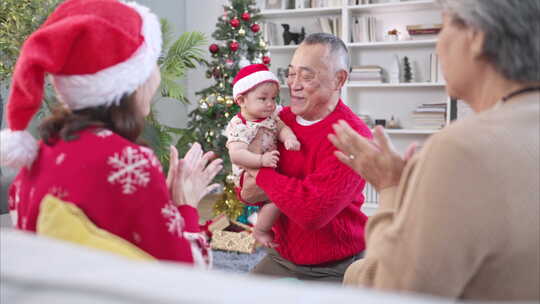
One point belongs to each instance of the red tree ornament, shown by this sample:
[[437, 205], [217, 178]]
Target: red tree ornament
[[235, 22], [246, 16], [266, 60], [233, 46], [214, 48], [255, 27]]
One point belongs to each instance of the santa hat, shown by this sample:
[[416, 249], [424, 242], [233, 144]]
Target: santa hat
[[250, 76], [95, 50]]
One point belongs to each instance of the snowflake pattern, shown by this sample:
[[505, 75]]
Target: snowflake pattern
[[175, 221], [130, 170], [103, 133], [58, 192], [154, 161], [60, 158]]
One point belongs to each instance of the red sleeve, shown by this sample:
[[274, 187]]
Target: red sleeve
[[314, 201], [164, 230]]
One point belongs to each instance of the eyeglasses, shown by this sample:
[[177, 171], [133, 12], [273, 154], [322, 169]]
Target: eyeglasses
[[304, 76]]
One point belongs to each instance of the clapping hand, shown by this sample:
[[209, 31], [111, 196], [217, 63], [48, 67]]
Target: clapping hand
[[376, 161], [188, 179]]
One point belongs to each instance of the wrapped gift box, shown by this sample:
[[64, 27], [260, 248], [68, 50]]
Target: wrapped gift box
[[231, 235]]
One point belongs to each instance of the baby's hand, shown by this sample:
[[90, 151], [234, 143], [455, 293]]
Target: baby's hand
[[270, 159], [292, 144]]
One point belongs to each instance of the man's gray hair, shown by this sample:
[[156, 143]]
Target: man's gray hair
[[338, 49], [512, 42]]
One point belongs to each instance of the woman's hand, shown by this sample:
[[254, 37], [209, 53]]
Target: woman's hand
[[189, 177], [376, 161]]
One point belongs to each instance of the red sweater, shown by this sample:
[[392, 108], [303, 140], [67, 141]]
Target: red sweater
[[119, 185], [319, 197]]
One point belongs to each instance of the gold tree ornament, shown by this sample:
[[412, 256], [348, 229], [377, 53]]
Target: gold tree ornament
[[228, 203], [241, 32], [220, 99], [229, 102], [227, 115]]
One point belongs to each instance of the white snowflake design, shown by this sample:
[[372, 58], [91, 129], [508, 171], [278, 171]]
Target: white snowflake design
[[58, 192], [152, 157], [103, 133], [130, 170], [175, 221], [60, 158]]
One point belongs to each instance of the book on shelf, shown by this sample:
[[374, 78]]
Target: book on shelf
[[324, 3], [271, 33], [366, 74], [429, 116], [423, 31], [434, 71], [363, 29], [330, 25]]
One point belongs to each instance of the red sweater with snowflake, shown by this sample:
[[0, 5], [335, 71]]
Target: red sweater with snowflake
[[319, 197], [119, 185]]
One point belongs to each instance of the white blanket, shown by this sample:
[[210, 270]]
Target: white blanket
[[39, 270]]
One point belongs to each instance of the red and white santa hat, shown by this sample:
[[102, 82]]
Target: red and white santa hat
[[95, 50], [250, 76]]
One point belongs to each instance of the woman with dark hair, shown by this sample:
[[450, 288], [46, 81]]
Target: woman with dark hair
[[89, 180], [461, 218]]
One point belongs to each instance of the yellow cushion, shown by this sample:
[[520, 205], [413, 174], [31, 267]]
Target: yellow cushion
[[62, 220]]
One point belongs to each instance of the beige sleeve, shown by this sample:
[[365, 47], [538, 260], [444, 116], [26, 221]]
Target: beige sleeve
[[432, 232]]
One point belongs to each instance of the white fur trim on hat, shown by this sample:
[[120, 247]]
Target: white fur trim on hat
[[247, 83], [17, 148], [107, 86]]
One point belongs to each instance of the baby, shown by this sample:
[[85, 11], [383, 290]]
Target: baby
[[253, 133]]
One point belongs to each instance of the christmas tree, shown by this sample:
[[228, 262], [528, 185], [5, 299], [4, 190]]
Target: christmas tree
[[238, 43]]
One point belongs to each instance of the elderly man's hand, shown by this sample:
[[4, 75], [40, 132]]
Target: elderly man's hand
[[251, 193], [376, 161]]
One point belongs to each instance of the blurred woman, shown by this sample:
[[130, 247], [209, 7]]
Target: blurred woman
[[89, 181], [460, 218]]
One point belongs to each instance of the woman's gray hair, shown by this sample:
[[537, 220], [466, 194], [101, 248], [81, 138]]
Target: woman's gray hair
[[338, 49], [511, 27]]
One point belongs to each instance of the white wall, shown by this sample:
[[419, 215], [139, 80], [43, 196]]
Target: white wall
[[187, 15], [171, 112], [202, 16]]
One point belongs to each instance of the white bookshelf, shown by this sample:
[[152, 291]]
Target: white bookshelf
[[395, 44], [352, 84], [388, 7], [379, 100]]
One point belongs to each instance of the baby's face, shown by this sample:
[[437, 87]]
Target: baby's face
[[260, 102]]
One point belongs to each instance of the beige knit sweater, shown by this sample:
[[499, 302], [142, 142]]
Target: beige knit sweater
[[464, 220]]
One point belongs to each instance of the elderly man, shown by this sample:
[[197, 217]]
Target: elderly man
[[321, 229]]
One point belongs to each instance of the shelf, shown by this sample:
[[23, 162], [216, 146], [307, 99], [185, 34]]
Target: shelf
[[393, 7], [282, 47], [394, 85], [401, 43], [302, 12]]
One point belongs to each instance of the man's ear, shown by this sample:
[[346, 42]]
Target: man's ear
[[341, 78]]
